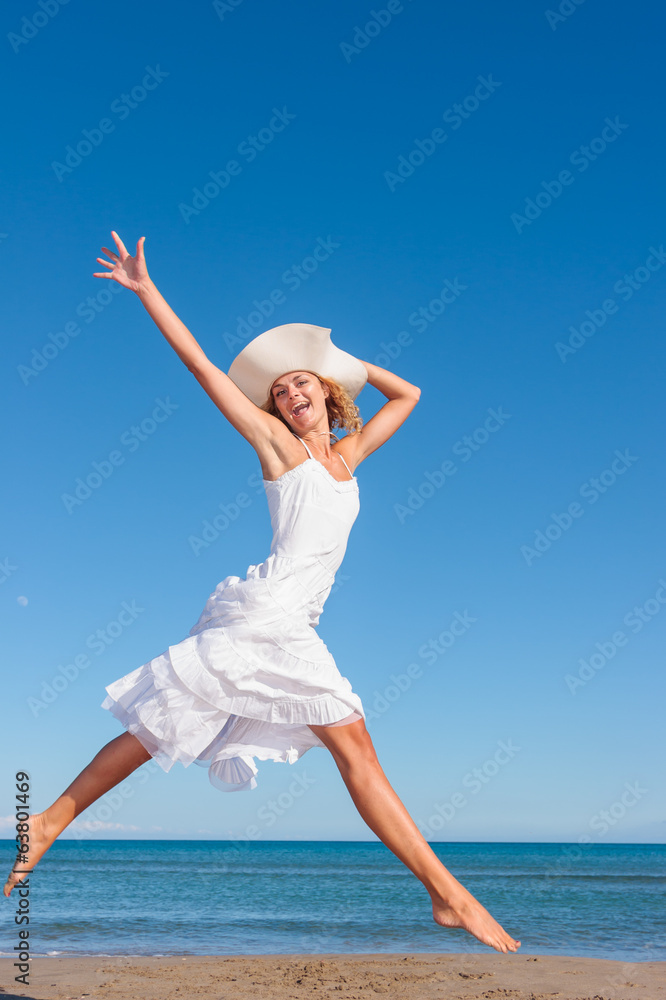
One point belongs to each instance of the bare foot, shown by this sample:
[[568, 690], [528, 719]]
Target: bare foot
[[38, 844], [461, 909]]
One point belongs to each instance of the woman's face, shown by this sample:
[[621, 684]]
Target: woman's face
[[301, 400]]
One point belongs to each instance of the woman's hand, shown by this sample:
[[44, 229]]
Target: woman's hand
[[131, 272], [401, 397], [388, 383]]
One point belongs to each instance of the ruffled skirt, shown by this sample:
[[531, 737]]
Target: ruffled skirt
[[233, 691]]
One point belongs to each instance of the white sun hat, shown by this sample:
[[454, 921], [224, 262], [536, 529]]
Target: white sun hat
[[294, 347]]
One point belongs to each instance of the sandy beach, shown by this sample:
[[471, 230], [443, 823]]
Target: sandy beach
[[341, 977]]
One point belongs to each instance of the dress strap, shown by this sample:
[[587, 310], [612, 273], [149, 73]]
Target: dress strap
[[312, 456], [306, 448]]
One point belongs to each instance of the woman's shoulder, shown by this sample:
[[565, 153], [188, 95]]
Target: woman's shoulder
[[347, 447]]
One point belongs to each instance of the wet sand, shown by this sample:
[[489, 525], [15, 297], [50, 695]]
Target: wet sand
[[416, 976]]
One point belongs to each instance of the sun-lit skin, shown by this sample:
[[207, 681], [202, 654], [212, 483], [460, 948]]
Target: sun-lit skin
[[350, 745], [301, 400]]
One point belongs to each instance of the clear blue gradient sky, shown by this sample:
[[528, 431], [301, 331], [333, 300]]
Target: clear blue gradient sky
[[483, 187]]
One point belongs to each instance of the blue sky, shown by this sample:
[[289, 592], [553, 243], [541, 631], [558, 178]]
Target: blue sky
[[487, 183]]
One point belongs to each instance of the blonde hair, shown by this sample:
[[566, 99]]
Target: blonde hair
[[341, 409]]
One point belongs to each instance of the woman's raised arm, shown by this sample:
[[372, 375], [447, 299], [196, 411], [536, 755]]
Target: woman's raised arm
[[257, 426], [402, 398]]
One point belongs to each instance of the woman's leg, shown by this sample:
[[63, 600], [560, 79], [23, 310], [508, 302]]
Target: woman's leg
[[384, 813], [113, 764]]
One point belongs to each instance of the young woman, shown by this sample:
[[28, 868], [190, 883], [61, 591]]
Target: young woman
[[253, 679]]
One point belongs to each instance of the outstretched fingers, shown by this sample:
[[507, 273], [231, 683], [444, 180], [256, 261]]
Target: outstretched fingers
[[110, 264], [106, 263], [122, 260], [119, 243]]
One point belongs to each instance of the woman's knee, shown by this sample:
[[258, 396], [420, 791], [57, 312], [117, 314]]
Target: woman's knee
[[129, 744], [348, 744]]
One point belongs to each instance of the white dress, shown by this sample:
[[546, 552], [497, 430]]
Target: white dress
[[253, 673]]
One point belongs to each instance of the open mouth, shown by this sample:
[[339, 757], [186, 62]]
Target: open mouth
[[299, 409]]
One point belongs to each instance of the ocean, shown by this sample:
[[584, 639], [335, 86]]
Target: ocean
[[274, 897]]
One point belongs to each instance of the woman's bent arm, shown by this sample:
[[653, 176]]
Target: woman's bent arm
[[402, 397], [390, 384]]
